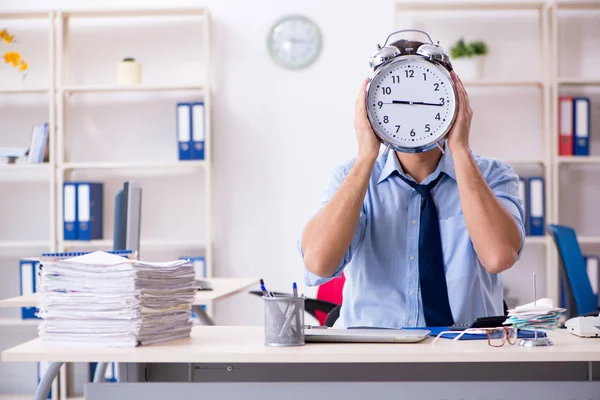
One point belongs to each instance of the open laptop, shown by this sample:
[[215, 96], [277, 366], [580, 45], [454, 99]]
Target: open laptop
[[364, 335]]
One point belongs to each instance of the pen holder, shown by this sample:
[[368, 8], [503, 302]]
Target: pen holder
[[284, 321]]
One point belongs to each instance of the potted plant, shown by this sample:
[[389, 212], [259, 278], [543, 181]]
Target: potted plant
[[12, 57], [468, 58]]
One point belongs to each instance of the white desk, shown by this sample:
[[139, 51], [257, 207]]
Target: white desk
[[227, 344], [223, 288], [237, 354]]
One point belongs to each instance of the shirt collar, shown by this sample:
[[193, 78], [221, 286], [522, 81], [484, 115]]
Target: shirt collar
[[391, 165]]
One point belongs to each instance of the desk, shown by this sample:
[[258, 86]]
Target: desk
[[223, 288], [237, 354]]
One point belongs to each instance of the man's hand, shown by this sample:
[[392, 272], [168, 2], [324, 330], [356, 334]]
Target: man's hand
[[458, 137], [368, 144]]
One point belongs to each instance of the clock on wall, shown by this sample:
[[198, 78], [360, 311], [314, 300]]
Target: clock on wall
[[294, 41]]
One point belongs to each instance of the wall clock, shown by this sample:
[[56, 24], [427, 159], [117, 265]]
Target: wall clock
[[294, 41]]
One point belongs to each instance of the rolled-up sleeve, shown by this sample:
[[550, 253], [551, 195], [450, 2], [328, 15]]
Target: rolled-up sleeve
[[504, 183], [337, 177]]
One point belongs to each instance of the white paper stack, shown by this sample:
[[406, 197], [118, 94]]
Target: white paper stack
[[540, 314], [110, 301]]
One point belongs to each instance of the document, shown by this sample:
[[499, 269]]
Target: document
[[106, 300]]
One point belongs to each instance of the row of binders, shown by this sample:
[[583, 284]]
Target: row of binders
[[83, 211], [532, 193], [574, 126], [191, 130]]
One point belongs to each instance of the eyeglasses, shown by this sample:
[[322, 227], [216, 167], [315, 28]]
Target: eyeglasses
[[496, 337]]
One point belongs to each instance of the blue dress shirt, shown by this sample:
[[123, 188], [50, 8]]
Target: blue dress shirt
[[381, 265]]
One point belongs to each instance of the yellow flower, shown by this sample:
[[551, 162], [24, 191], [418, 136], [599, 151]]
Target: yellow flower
[[23, 66], [12, 57], [7, 37]]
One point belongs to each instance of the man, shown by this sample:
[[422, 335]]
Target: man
[[421, 238]]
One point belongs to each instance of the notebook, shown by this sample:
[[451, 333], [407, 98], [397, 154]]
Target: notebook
[[364, 335]]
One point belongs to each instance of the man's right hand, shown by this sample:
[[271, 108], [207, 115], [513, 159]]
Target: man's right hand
[[368, 144]]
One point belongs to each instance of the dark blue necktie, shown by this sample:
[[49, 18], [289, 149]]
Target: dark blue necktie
[[432, 278]]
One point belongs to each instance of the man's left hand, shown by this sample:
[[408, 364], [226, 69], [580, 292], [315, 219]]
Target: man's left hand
[[458, 137]]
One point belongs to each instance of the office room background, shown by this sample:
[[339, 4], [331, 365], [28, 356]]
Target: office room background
[[276, 134]]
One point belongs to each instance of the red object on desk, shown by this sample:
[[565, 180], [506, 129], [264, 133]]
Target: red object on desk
[[332, 292]]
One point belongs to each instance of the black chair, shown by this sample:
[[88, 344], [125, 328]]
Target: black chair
[[311, 306]]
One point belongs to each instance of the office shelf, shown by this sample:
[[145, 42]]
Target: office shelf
[[9, 244], [536, 240], [24, 90], [468, 5], [578, 159], [502, 83], [96, 244], [12, 322], [579, 81], [127, 13], [134, 165], [132, 88], [588, 239], [20, 14], [17, 396]]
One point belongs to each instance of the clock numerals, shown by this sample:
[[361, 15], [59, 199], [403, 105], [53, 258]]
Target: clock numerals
[[442, 101], [412, 132], [386, 90], [397, 128], [410, 73], [427, 128], [438, 116], [386, 119], [395, 78], [437, 87], [380, 104], [424, 76]]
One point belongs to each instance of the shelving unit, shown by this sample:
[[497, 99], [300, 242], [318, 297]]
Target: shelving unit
[[538, 11], [551, 83], [63, 85], [559, 82]]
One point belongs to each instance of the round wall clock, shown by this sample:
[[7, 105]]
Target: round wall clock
[[411, 98], [294, 42]]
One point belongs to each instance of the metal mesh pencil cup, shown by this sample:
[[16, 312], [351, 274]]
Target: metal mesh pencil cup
[[284, 320]]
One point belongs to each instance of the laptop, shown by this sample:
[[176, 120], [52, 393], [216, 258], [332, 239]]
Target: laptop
[[364, 335]]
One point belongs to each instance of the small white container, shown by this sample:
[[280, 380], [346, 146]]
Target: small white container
[[129, 72], [469, 68]]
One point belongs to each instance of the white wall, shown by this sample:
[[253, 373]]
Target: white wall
[[277, 133]]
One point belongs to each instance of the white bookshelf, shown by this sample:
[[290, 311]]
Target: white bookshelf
[[60, 88], [540, 81]]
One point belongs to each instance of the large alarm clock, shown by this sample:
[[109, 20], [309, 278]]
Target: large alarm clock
[[411, 97]]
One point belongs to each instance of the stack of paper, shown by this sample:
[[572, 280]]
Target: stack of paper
[[540, 314], [107, 300]]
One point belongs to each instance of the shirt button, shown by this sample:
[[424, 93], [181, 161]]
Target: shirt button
[[412, 258], [414, 221], [412, 292], [410, 322]]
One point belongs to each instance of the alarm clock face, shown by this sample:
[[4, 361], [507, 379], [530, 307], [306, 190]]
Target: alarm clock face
[[411, 103]]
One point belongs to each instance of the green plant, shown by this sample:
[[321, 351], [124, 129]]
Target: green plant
[[464, 49], [479, 48]]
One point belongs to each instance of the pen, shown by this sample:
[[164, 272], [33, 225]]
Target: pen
[[263, 289], [295, 289]]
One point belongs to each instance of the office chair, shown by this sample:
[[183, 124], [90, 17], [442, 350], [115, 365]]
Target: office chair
[[579, 296], [329, 298]]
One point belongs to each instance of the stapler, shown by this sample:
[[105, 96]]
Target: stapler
[[584, 326]]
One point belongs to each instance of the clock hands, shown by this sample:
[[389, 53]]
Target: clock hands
[[418, 103]]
